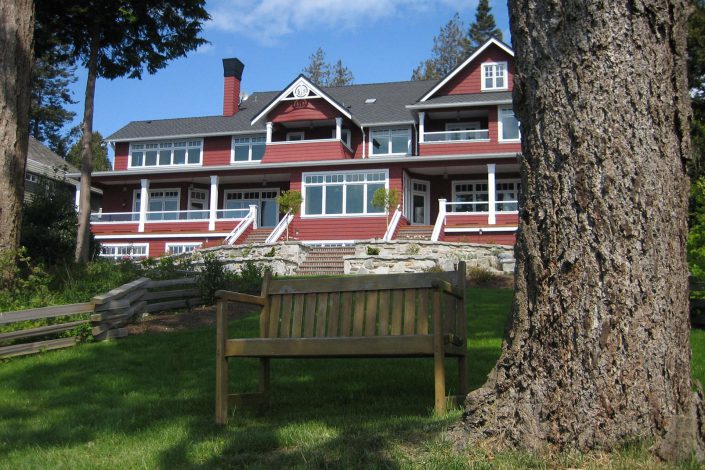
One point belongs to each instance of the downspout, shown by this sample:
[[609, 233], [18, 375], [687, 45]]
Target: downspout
[[416, 132]]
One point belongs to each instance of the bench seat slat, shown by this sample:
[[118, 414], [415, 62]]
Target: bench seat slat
[[359, 317], [333, 315], [383, 313], [397, 306], [331, 347], [422, 320], [320, 315], [275, 305], [345, 313]]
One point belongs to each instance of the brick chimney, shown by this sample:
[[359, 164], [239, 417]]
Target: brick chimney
[[232, 73]]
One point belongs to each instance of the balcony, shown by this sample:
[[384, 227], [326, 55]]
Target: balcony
[[475, 217], [171, 221], [477, 135], [306, 150]]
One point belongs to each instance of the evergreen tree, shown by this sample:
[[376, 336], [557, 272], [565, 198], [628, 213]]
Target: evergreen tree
[[99, 149], [484, 27], [696, 82], [317, 70], [49, 97], [449, 50], [340, 75]]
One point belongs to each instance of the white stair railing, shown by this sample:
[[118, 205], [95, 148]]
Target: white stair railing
[[279, 229], [250, 219], [392, 228], [440, 220]]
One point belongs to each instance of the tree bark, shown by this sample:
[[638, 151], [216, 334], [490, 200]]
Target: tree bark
[[16, 57], [84, 213], [597, 351]]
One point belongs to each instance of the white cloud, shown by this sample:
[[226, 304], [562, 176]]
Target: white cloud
[[270, 20]]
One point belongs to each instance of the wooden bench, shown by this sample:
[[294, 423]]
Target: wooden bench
[[390, 315]]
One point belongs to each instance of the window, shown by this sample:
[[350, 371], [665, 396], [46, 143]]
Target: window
[[180, 248], [31, 177], [238, 202], [494, 76], [507, 191], [124, 250], [466, 131], [474, 193], [160, 200], [348, 193], [508, 125], [165, 154], [294, 136], [198, 202], [248, 149], [390, 141], [345, 136]]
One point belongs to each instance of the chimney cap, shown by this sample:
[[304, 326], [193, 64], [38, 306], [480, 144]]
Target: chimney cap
[[233, 68]]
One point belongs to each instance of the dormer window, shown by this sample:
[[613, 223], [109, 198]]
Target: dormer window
[[165, 153], [494, 76], [390, 141]]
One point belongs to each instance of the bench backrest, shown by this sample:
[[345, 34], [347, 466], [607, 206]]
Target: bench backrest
[[363, 305]]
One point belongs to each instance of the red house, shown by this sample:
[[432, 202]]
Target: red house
[[448, 146]]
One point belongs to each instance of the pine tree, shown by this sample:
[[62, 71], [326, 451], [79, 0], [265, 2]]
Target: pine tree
[[340, 75], [449, 49], [484, 27], [317, 70], [99, 150]]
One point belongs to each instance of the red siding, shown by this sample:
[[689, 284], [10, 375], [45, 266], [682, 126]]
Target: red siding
[[480, 220], [469, 79], [216, 151], [303, 110], [122, 150], [462, 148], [115, 229], [176, 227], [158, 247], [489, 238], [305, 151], [359, 228]]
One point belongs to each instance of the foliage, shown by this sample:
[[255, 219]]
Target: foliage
[[249, 279], [480, 276], [413, 249], [50, 95], [166, 267], [484, 27], [696, 82], [331, 413], [372, 251], [696, 234], [49, 223], [289, 201], [212, 277], [386, 200], [271, 253], [449, 49], [99, 151], [322, 73]]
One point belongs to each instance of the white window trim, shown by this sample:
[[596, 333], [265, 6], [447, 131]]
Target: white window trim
[[171, 165], [301, 134], [233, 144], [484, 65], [137, 192], [120, 245], [303, 214], [206, 200], [483, 181], [344, 130], [390, 129], [499, 126], [168, 246]]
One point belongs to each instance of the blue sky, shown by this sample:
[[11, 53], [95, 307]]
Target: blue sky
[[379, 40]]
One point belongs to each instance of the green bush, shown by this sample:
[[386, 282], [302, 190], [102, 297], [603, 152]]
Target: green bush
[[372, 251], [481, 276], [212, 277], [696, 234], [249, 279]]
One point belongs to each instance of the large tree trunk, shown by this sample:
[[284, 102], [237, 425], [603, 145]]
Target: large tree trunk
[[84, 213], [16, 33], [597, 348]]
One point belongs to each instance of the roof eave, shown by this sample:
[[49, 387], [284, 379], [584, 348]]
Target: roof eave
[[456, 105]]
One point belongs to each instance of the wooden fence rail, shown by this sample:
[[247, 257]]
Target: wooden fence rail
[[109, 314]]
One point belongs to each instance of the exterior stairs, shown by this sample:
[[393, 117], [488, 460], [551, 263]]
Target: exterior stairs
[[257, 236], [415, 232], [325, 260]]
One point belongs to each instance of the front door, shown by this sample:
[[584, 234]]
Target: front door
[[420, 195], [265, 200]]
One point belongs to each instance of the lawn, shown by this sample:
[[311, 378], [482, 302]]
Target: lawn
[[147, 402]]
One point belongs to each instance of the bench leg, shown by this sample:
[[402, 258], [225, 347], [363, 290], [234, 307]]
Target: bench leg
[[463, 375], [221, 366]]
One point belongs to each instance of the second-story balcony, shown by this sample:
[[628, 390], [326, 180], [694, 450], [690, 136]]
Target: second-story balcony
[[306, 141], [469, 135]]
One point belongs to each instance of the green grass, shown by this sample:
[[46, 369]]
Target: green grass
[[147, 402]]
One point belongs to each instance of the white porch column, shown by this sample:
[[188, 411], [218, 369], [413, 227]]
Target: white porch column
[[491, 189], [422, 118], [77, 203], [339, 128], [213, 207], [269, 132], [440, 220], [253, 213], [144, 203]]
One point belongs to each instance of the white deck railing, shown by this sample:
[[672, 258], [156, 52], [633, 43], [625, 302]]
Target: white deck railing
[[392, 228], [481, 135], [250, 219], [280, 228], [463, 208]]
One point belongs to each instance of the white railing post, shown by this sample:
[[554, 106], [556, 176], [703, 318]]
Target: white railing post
[[440, 220], [339, 128], [491, 190], [253, 215], [393, 224], [144, 203], [213, 208], [422, 118]]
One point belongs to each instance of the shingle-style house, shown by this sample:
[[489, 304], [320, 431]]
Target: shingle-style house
[[448, 146]]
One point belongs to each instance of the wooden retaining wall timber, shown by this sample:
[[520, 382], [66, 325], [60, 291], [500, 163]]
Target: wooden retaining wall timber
[[109, 314]]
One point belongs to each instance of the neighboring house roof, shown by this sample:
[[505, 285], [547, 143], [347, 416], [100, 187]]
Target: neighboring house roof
[[41, 154]]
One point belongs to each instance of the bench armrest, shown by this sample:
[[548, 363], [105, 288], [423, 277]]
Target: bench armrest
[[448, 288], [230, 296]]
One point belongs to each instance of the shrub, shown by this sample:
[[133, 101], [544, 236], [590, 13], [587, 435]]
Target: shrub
[[372, 251], [413, 249], [212, 277], [249, 279], [481, 276], [270, 253]]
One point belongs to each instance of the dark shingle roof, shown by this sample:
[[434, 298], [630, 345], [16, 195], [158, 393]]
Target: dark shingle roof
[[39, 153], [474, 98]]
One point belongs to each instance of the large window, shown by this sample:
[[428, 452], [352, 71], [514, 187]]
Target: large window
[[348, 193], [124, 250], [507, 194], [238, 202], [508, 125], [473, 193], [494, 76], [180, 248], [165, 153], [248, 149], [160, 200], [390, 141]]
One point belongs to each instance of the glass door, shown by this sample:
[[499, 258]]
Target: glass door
[[420, 202]]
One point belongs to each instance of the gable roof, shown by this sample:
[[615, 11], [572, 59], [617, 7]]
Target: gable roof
[[473, 56], [39, 153], [301, 82]]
